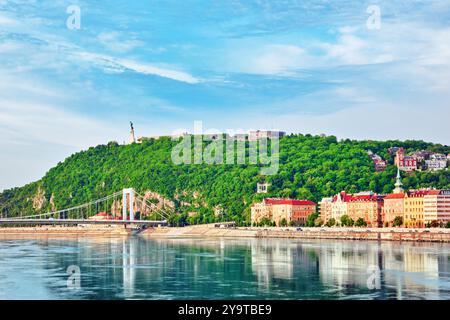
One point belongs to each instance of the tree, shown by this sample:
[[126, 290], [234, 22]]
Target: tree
[[265, 222], [346, 221], [398, 221], [351, 222], [283, 223], [331, 222], [447, 224], [311, 219], [360, 223], [318, 222], [434, 224]]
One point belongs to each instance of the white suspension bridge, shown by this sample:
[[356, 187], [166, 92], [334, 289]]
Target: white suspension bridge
[[102, 211]]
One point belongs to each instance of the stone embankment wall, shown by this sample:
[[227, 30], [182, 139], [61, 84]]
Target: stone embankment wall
[[66, 231], [359, 235], [210, 231], [420, 235]]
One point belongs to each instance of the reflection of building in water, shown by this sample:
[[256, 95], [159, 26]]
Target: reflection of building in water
[[403, 264], [444, 265], [272, 260], [346, 264], [420, 262]]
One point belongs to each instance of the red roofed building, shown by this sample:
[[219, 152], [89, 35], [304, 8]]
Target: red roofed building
[[278, 209], [403, 162], [365, 205], [102, 216], [339, 205]]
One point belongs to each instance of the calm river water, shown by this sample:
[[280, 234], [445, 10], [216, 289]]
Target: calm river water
[[138, 268]]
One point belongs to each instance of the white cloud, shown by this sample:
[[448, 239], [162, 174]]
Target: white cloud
[[117, 42], [279, 59], [36, 133], [375, 121], [41, 123], [119, 65], [353, 50], [6, 21], [162, 72]]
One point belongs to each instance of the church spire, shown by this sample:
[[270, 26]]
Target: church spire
[[398, 183]]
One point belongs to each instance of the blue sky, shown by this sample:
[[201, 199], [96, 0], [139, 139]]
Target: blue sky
[[309, 66]]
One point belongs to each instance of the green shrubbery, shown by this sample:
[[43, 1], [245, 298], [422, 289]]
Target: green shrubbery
[[346, 221], [398, 222], [360, 223]]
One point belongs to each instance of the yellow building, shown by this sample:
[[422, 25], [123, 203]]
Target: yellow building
[[414, 215], [260, 211], [367, 206]]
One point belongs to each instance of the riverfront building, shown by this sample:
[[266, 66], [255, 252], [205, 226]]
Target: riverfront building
[[277, 210], [365, 205], [394, 206], [414, 215], [325, 209], [437, 206], [368, 206]]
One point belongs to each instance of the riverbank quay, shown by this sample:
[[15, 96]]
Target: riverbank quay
[[63, 231], [374, 234]]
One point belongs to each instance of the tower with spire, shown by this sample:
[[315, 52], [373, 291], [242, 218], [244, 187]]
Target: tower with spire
[[398, 183]]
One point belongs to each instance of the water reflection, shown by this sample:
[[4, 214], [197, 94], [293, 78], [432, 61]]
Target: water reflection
[[138, 268]]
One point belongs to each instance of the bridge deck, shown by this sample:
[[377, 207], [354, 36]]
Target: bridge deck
[[78, 221]]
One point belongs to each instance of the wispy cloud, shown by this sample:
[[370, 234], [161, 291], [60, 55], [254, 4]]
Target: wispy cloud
[[117, 42], [120, 65], [7, 21]]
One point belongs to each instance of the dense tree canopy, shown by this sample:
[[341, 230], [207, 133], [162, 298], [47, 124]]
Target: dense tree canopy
[[311, 167]]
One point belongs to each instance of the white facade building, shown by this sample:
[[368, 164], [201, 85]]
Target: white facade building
[[436, 162]]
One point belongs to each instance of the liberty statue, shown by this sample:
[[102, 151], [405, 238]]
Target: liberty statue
[[132, 137]]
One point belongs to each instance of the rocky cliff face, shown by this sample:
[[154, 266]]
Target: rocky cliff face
[[52, 203], [39, 199], [159, 200]]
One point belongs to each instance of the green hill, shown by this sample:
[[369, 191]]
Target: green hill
[[311, 167]]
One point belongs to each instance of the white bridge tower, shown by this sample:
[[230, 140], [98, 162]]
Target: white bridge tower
[[128, 203]]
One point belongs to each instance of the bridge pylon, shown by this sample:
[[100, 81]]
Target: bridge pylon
[[128, 204]]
